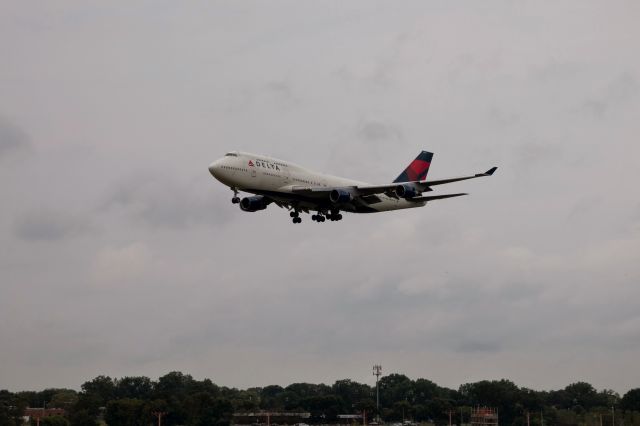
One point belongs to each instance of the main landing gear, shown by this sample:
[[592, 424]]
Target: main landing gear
[[333, 216], [296, 217]]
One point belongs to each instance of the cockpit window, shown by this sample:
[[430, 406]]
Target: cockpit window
[[231, 154]]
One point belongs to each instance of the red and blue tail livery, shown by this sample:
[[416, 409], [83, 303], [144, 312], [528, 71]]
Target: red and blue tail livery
[[418, 168]]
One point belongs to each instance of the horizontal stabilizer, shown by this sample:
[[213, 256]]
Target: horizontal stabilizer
[[437, 197]]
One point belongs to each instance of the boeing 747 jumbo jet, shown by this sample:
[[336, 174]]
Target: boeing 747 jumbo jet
[[299, 190]]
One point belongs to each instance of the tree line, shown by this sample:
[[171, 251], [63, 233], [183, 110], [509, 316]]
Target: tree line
[[130, 401]]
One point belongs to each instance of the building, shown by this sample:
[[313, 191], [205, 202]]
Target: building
[[40, 413], [484, 416]]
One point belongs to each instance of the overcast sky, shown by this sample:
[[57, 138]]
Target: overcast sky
[[121, 255]]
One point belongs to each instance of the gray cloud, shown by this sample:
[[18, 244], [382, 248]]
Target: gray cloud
[[161, 202], [12, 138], [151, 268], [376, 131], [619, 91], [45, 224]]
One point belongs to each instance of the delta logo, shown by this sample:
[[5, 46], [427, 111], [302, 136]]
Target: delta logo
[[264, 164]]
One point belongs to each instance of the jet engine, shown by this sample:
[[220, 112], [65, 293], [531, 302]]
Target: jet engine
[[339, 196], [405, 191], [253, 204]]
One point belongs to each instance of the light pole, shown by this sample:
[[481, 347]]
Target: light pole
[[613, 416], [159, 415], [377, 371]]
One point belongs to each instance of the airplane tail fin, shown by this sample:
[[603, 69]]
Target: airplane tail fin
[[418, 169]]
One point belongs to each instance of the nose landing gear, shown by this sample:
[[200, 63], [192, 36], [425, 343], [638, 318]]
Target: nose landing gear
[[235, 199]]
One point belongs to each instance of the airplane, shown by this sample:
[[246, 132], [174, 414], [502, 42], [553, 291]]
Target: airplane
[[298, 190]]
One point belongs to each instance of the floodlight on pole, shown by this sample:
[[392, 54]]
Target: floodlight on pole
[[159, 415], [377, 371]]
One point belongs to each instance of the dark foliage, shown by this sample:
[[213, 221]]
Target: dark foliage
[[131, 401]]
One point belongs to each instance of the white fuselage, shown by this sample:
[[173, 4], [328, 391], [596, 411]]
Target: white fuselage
[[259, 174]]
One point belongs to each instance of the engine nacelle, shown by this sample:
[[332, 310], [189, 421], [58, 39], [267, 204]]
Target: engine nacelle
[[340, 196], [253, 204], [405, 191]]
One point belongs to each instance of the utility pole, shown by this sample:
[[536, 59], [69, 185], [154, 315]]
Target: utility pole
[[528, 419], [377, 371], [600, 419], [450, 412], [613, 416], [159, 415]]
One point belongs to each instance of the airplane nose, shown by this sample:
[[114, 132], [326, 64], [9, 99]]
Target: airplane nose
[[214, 167]]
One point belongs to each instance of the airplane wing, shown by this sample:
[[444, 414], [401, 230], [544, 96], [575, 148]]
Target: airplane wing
[[489, 172], [388, 189], [420, 185], [437, 197]]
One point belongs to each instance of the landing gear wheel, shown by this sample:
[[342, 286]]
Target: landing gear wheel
[[294, 214], [297, 220], [235, 199], [335, 215]]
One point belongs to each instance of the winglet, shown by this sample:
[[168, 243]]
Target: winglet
[[488, 172]]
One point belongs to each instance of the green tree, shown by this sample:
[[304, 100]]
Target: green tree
[[502, 394], [206, 410], [401, 410], [133, 388], [247, 400], [101, 389], [631, 400], [395, 388], [82, 418], [323, 408], [127, 412], [425, 390], [353, 394], [63, 398], [88, 402], [173, 384], [581, 394], [15, 409], [269, 397], [5, 402], [54, 421]]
